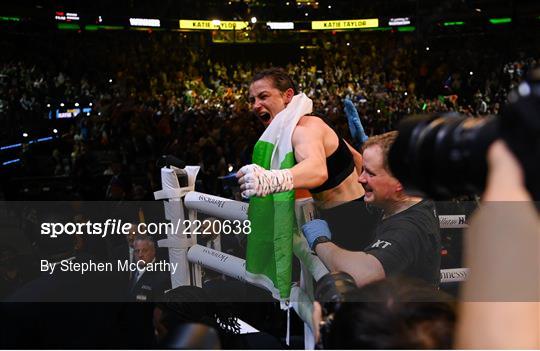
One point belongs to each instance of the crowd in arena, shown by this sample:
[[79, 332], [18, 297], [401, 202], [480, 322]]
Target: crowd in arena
[[161, 93], [164, 93]]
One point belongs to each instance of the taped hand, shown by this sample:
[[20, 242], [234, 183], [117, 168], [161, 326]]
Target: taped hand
[[257, 181]]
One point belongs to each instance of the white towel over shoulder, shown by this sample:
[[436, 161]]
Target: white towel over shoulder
[[279, 132]]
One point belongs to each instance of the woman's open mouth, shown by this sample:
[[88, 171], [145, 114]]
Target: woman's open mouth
[[265, 117]]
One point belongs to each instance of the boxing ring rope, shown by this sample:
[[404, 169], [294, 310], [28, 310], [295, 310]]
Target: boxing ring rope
[[311, 266], [232, 210], [216, 206], [454, 275], [185, 250], [452, 221], [236, 210]]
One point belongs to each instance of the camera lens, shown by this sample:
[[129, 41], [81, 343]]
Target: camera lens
[[333, 286], [442, 155]]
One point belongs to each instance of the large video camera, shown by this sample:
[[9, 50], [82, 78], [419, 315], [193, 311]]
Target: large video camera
[[444, 156]]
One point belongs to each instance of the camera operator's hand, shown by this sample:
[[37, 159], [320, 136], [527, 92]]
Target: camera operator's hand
[[315, 229], [505, 181], [501, 241], [316, 319]]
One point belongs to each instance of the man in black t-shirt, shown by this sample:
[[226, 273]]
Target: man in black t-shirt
[[408, 243], [407, 240]]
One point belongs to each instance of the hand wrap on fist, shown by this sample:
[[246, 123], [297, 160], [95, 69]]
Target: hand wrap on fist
[[257, 181]]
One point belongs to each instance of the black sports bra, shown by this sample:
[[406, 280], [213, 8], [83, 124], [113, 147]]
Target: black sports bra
[[339, 166]]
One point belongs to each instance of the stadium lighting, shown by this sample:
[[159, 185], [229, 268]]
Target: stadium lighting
[[406, 29], [524, 89], [12, 146], [346, 24], [458, 23], [145, 22], [68, 26], [253, 20], [213, 24], [40, 140], [402, 21], [280, 25], [11, 161], [14, 19], [500, 20], [67, 17], [72, 16], [91, 27]]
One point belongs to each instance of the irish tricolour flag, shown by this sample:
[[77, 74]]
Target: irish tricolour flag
[[273, 222]]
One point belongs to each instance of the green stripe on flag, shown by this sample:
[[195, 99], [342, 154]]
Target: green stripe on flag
[[262, 153], [273, 222]]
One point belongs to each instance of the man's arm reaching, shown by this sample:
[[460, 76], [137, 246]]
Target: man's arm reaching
[[364, 268]]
